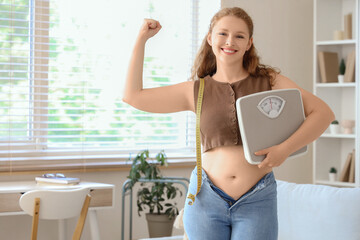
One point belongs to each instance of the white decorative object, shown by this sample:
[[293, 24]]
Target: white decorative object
[[338, 35], [334, 128], [332, 174], [332, 177], [348, 126], [341, 78]]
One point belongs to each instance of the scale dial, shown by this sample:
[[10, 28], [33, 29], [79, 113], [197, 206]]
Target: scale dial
[[271, 106]]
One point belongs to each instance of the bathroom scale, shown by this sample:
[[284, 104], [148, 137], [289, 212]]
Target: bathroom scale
[[267, 119]]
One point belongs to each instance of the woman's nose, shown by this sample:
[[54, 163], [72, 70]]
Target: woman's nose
[[229, 41]]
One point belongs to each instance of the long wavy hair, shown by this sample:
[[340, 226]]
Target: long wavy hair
[[205, 61]]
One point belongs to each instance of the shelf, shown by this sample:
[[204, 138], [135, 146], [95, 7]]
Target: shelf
[[336, 42], [336, 183], [332, 150], [329, 135], [332, 85]]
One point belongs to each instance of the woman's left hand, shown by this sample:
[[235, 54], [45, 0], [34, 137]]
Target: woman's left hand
[[275, 156]]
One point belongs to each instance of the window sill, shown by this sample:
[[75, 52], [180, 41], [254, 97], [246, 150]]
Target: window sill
[[85, 165]]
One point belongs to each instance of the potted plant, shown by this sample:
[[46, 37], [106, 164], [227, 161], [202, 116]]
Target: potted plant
[[341, 71], [156, 197], [334, 127], [332, 174]]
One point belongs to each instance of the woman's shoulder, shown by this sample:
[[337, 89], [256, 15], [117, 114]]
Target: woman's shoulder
[[189, 85], [282, 82]]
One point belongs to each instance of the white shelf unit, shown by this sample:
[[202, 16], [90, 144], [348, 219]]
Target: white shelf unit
[[331, 150]]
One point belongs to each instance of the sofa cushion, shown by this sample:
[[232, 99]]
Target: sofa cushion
[[316, 212]]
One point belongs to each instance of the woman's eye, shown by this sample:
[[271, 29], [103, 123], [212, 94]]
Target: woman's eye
[[239, 36], [222, 34]]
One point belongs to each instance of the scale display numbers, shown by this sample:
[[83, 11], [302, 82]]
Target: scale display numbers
[[271, 106]]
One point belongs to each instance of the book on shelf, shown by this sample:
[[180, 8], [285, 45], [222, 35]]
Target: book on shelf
[[348, 171], [350, 68], [328, 66], [348, 26], [344, 175], [57, 180], [352, 168]]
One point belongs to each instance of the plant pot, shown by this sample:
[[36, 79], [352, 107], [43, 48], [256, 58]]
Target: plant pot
[[341, 78], [332, 177], [159, 225], [334, 128]]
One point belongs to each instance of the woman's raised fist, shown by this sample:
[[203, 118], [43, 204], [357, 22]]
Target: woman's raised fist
[[149, 28]]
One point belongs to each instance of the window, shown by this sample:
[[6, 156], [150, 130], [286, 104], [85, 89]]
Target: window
[[63, 65]]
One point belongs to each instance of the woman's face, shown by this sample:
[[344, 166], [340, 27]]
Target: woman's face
[[230, 39]]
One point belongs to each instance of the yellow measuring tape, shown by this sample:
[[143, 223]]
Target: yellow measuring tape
[[198, 142]]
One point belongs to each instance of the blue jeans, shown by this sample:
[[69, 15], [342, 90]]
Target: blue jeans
[[216, 216]]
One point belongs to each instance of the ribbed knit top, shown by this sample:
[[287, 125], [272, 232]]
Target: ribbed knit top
[[218, 122]]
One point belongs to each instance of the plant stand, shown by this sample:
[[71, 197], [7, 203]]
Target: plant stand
[[126, 191]]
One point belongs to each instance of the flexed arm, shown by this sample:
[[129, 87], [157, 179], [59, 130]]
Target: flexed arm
[[178, 97]]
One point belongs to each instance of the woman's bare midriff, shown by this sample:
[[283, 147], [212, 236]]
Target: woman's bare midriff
[[228, 169]]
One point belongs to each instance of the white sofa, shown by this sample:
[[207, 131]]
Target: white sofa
[[315, 212]]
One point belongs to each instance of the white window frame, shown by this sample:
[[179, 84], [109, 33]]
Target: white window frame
[[39, 157]]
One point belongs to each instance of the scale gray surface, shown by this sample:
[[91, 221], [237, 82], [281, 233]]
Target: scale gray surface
[[260, 127]]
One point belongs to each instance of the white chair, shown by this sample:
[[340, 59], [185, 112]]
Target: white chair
[[56, 204]]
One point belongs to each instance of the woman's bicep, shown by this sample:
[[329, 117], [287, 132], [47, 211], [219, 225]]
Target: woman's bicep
[[173, 98]]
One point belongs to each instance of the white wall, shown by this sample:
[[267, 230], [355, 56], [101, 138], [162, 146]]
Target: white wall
[[283, 37]]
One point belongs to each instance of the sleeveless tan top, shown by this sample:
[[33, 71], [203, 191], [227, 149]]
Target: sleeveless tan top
[[218, 122]]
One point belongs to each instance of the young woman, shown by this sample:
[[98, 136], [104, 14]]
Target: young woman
[[237, 200]]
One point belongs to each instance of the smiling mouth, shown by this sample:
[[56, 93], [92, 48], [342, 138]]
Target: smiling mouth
[[228, 51]]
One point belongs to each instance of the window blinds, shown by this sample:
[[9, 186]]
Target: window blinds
[[62, 70]]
